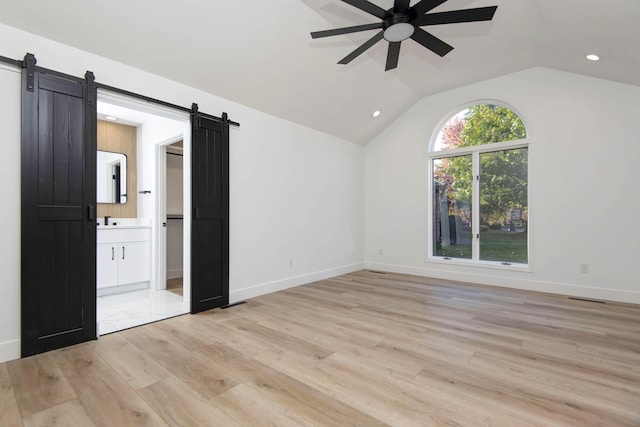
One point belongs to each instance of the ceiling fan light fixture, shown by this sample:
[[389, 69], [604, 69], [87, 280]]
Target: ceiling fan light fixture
[[404, 21], [399, 32]]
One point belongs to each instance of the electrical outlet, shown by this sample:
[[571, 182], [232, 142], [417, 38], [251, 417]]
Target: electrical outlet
[[584, 268], [290, 262]]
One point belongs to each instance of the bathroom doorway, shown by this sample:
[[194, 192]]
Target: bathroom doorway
[[122, 305]]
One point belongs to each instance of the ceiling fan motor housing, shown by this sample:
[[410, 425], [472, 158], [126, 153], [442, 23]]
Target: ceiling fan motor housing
[[397, 18]]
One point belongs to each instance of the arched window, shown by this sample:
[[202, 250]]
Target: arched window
[[478, 168]]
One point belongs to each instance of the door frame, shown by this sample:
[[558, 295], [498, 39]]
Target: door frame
[[161, 213]]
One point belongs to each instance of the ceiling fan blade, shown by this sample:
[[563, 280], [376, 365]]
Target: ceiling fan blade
[[431, 42], [366, 45], [457, 16], [401, 6], [425, 6], [392, 55], [368, 7], [346, 30]]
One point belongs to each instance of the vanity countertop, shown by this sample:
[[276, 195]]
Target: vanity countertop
[[120, 227], [123, 233], [123, 223]]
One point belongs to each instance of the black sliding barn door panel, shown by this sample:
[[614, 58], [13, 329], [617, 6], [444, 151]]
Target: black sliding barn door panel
[[210, 213], [58, 202]]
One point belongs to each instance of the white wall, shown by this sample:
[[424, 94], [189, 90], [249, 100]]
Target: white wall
[[295, 193], [583, 185], [10, 214], [296, 206], [152, 133]]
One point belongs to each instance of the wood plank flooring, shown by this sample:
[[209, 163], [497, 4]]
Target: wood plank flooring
[[175, 285], [363, 349]]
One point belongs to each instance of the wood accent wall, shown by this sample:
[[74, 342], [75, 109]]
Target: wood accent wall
[[120, 138]]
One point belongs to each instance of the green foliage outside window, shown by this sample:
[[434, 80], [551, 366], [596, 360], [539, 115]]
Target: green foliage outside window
[[503, 181]]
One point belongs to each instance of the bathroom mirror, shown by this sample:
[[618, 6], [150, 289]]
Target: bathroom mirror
[[111, 177]]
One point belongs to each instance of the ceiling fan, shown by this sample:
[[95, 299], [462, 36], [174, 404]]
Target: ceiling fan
[[402, 22]]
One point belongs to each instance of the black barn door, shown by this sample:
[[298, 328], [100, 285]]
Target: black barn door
[[210, 217], [58, 202]]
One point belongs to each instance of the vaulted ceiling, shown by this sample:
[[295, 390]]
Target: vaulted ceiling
[[259, 53]]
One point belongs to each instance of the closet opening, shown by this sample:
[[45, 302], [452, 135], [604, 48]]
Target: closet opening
[[174, 225]]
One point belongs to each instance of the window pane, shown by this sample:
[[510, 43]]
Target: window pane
[[478, 125], [452, 181], [503, 206]]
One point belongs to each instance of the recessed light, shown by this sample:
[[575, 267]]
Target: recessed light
[[376, 113], [110, 118], [593, 57]]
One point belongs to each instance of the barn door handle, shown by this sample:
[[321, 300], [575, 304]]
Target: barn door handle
[[91, 212]]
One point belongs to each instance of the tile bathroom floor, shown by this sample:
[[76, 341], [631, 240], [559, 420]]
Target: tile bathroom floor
[[128, 309]]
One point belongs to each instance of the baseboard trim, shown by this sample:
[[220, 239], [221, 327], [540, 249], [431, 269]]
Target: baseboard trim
[[9, 350], [174, 274], [122, 288], [290, 282], [514, 283]]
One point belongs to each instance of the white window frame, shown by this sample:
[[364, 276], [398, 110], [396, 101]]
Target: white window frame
[[475, 152]]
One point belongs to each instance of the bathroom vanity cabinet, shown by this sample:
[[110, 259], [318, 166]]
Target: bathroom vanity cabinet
[[123, 259]]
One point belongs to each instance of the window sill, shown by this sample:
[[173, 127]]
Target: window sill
[[493, 265]]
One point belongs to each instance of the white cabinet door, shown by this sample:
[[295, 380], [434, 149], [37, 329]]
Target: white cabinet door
[[106, 265], [134, 262]]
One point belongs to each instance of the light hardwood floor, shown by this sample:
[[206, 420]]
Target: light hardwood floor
[[363, 349], [175, 286]]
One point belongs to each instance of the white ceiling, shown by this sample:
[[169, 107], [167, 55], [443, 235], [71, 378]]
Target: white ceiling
[[259, 53], [123, 115]]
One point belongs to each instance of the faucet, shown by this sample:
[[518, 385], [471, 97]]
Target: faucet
[[106, 219]]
